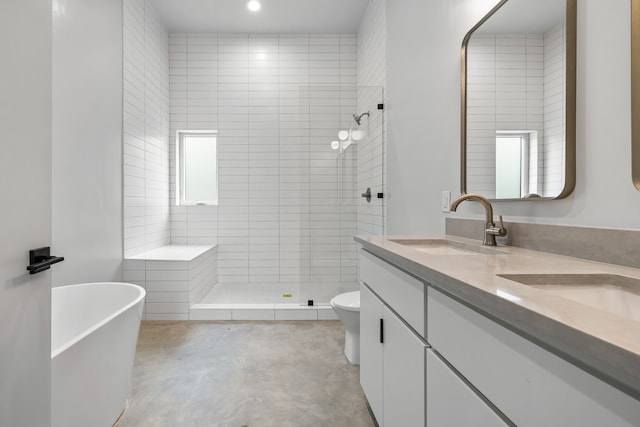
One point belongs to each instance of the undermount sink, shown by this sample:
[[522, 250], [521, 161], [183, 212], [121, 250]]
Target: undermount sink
[[447, 247], [609, 292]]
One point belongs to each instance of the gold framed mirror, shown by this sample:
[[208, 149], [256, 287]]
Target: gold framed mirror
[[635, 93], [518, 133]]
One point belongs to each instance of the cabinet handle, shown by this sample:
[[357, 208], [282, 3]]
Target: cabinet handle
[[381, 331]]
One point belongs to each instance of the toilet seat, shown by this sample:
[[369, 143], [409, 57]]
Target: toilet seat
[[349, 301]]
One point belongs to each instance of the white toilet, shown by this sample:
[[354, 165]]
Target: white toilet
[[347, 307]]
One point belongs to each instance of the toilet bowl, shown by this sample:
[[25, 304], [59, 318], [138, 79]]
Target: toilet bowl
[[347, 307]]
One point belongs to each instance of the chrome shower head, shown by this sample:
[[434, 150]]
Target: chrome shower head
[[358, 118]]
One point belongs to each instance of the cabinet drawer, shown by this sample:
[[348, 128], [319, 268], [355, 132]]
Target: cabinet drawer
[[403, 293], [451, 403], [530, 385]]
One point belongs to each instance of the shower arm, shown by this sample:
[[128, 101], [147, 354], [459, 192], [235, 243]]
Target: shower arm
[[358, 118]]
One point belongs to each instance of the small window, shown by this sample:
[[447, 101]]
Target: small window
[[196, 168], [513, 170]]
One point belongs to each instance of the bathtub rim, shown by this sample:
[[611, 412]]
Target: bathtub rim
[[97, 325]]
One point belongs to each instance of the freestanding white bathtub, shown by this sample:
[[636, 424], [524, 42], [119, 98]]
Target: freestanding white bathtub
[[94, 331]]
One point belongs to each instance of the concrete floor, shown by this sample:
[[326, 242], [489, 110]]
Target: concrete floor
[[244, 374]]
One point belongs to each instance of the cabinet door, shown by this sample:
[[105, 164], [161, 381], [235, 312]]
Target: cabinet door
[[397, 289], [371, 350], [403, 374], [25, 217], [450, 402]]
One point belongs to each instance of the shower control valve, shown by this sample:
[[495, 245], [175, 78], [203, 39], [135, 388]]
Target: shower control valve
[[367, 195]]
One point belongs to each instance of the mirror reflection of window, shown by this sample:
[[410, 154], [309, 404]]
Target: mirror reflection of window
[[518, 164], [510, 166]]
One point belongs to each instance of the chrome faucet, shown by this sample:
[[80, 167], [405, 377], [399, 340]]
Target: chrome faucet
[[490, 231]]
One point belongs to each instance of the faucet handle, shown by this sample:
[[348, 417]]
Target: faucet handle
[[502, 231], [496, 231]]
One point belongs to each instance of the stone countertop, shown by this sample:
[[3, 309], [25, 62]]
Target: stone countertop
[[603, 343]]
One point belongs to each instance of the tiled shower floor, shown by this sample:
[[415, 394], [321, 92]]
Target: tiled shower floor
[[268, 302], [257, 293]]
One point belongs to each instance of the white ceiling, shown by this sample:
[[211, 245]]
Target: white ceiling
[[523, 17], [276, 16]]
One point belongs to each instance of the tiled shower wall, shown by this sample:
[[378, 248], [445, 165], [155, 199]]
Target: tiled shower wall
[[289, 205], [286, 210], [372, 44], [515, 83], [145, 129]]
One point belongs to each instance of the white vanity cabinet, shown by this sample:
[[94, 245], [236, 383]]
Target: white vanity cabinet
[[406, 384], [392, 354], [440, 362], [528, 384]]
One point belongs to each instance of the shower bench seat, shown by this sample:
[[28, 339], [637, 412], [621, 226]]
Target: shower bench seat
[[174, 276]]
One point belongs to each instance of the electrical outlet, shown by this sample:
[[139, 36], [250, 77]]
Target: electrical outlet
[[446, 201]]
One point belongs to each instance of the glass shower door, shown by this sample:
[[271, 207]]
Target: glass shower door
[[345, 159]]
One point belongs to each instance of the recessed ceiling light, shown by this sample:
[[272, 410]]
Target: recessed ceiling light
[[253, 5]]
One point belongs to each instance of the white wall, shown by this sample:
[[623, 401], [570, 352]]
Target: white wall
[[286, 209], [424, 41], [87, 140], [146, 129]]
